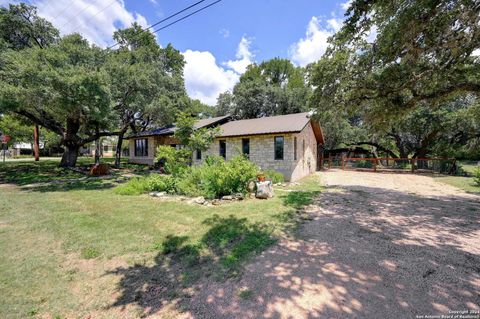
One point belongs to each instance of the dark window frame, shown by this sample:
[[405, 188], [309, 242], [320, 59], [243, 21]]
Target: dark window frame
[[279, 154], [105, 148], [222, 150], [141, 147], [199, 154], [246, 147], [295, 148]]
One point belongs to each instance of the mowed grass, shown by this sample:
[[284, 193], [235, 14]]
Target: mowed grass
[[465, 183], [83, 250]]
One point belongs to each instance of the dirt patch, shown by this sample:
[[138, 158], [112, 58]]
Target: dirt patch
[[379, 246]]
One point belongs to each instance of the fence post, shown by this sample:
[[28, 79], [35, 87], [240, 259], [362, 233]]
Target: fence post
[[343, 163], [329, 162], [413, 165]]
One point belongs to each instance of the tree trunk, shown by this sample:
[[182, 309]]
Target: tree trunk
[[69, 157], [118, 152], [97, 151], [36, 143]]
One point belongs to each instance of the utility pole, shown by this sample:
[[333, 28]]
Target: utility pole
[[36, 143]]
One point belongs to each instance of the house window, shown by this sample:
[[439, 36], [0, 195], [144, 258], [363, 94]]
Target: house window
[[141, 147], [222, 148], [246, 147], [278, 144], [295, 148], [199, 154], [105, 148]]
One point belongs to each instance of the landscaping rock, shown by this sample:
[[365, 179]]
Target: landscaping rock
[[157, 194], [228, 197], [216, 202], [264, 190], [239, 196], [199, 200]]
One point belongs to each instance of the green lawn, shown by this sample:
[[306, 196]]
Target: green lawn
[[73, 249], [466, 183], [463, 182]]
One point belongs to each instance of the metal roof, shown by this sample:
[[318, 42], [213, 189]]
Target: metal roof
[[290, 123], [170, 129]]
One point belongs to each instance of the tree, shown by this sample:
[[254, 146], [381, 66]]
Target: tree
[[422, 52], [20, 130], [272, 87], [194, 138], [225, 104], [30, 31], [62, 87], [146, 82]]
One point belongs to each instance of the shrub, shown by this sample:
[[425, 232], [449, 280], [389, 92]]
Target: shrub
[[216, 177], [135, 186], [174, 161], [274, 176], [160, 183], [476, 176], [213, 179], [189, 183], [152, 183]]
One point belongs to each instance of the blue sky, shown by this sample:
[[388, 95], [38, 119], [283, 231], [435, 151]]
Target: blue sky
[[219, 42]]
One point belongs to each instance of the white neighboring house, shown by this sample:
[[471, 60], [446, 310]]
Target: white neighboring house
[[22, 148], [107, 147]]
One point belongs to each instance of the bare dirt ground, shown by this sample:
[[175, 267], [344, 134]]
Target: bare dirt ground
[[379, 246]]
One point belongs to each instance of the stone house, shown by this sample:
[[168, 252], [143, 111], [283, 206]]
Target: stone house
[[288, 144], [142, 145]]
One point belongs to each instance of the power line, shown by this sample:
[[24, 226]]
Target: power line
[[63, 10], [178, 20], [109, 5], [175, 14], [78, 13], [188, 15]]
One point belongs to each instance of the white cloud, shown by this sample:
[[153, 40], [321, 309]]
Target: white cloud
[[95, 20], [224, 33], [244, 56], [313, 45], [346, 5], [204, 79]]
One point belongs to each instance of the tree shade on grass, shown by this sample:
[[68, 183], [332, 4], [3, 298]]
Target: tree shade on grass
[[59, 243]]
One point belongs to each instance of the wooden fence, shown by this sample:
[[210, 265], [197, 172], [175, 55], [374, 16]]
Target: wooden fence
[[386, 164]]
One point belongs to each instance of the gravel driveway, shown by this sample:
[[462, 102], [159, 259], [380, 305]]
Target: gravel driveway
[[378, 246]]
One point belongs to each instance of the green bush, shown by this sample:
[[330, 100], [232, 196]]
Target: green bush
[[216, 177], [152, 183], [363, 164], [274, 176], [476, 176], [174, 161], [135, 186], [189, 183], [160, 183], [213, 179]]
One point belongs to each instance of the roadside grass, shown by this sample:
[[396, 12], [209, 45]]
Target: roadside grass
[[465, 183], [74, 251], [468, 166]]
